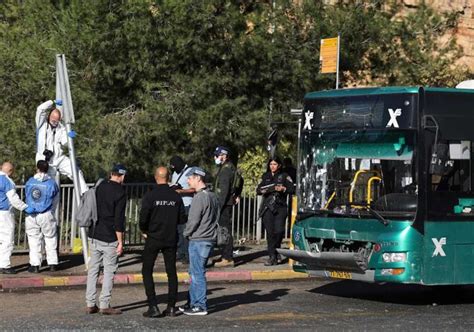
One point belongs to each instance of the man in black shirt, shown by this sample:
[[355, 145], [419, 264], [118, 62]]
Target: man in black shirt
[[161, 212], [106, 243]]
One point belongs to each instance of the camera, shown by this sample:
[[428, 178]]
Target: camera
[[176, 186], [48, 154]]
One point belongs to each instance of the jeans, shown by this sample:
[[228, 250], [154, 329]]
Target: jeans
[[199, 251], [105, 253], [152, 248]]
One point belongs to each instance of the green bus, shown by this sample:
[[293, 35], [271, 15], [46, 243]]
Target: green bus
[[385, 186]]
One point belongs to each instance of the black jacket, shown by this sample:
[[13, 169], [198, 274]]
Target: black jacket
[[111, 204], [161, 212], [223, 183], [266, 187]]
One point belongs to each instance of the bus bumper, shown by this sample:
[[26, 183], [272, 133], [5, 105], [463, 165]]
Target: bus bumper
[[331, 264]]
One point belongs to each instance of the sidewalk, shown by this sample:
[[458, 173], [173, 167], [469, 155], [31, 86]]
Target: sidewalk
[[249, 265]]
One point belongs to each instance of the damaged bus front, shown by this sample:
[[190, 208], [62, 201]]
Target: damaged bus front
[[371, 164]]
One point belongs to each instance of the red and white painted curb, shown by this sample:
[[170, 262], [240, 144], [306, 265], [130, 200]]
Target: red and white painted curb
[[136, 278]]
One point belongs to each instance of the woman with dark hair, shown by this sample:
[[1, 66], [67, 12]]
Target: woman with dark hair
[[275, 187]]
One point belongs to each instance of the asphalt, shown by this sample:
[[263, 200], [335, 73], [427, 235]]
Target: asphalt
[[249, 266]]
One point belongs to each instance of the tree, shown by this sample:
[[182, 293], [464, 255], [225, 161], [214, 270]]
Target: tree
[[180, 77]]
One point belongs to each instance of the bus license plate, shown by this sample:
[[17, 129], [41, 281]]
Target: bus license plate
[[340, 274]]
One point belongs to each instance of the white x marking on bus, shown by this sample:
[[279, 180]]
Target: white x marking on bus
[[439, 247], [393, 117], [308, 116]]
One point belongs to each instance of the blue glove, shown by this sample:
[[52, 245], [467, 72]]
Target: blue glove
[[58, 102], [29, 210], [72, 134]]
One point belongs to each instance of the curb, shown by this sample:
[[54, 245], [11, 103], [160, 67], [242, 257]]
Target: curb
[[136, 278]]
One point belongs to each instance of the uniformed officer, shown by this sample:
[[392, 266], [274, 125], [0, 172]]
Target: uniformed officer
[[275, 187], [223, 188]]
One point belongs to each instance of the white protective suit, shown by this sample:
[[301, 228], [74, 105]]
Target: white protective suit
[[49, 138], [8, 198], [41, 193]]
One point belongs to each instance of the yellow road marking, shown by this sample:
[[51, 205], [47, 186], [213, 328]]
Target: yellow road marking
[[55, 281]]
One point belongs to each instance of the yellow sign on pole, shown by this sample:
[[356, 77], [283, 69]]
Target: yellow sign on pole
[[328, 55]]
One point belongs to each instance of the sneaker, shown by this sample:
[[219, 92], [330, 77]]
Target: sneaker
[[225, 263], [53, 268], [34, 269], [184, 307], [195, 311]]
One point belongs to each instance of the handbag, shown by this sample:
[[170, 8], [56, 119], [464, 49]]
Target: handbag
[[222, 235]]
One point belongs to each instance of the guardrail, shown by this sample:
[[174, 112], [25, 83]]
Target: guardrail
[[246, 227]]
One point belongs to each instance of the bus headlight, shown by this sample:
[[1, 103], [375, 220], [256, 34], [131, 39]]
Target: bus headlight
[[394, 257]]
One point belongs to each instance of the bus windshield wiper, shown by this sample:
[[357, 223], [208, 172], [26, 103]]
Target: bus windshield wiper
[[384, 221], [374, 213], [307, 214]]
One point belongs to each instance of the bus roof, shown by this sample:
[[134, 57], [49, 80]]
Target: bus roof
[[352, 92]]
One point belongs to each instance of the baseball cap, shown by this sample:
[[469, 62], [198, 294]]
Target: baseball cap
[[221, 150], [196, 171], [119, 168]]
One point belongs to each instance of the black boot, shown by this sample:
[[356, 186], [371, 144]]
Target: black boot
[[33, 269], [171, 311], [153, 312], [271, 261]]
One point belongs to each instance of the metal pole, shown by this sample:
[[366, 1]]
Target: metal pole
[[62, 81], [337, 63], [298, 160]]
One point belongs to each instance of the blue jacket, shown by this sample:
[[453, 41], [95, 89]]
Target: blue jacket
[[5, 186], [41, 191]]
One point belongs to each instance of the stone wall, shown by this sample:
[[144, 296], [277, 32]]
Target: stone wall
[[465, 31]]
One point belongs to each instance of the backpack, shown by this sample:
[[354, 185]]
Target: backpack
[[86, 214], [237, 183]]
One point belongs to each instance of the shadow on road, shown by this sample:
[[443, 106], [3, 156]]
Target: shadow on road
[[214, 304], [398, 293], [251, 296], [162, 298]]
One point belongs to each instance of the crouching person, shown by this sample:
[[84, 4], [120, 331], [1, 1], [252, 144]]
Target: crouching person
[[161, 212], [106, 243], [201, 230], [40, 223]]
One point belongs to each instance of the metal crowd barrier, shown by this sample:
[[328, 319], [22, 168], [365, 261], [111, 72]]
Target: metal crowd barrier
[[246, 226]]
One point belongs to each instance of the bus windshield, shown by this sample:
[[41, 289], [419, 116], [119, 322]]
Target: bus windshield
[[349, 172]]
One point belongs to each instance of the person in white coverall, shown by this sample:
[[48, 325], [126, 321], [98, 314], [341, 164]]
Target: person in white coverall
[[8, 198], [51, 135], [41, 193]]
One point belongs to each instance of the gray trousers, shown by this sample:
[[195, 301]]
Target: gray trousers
[[105, 253]]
